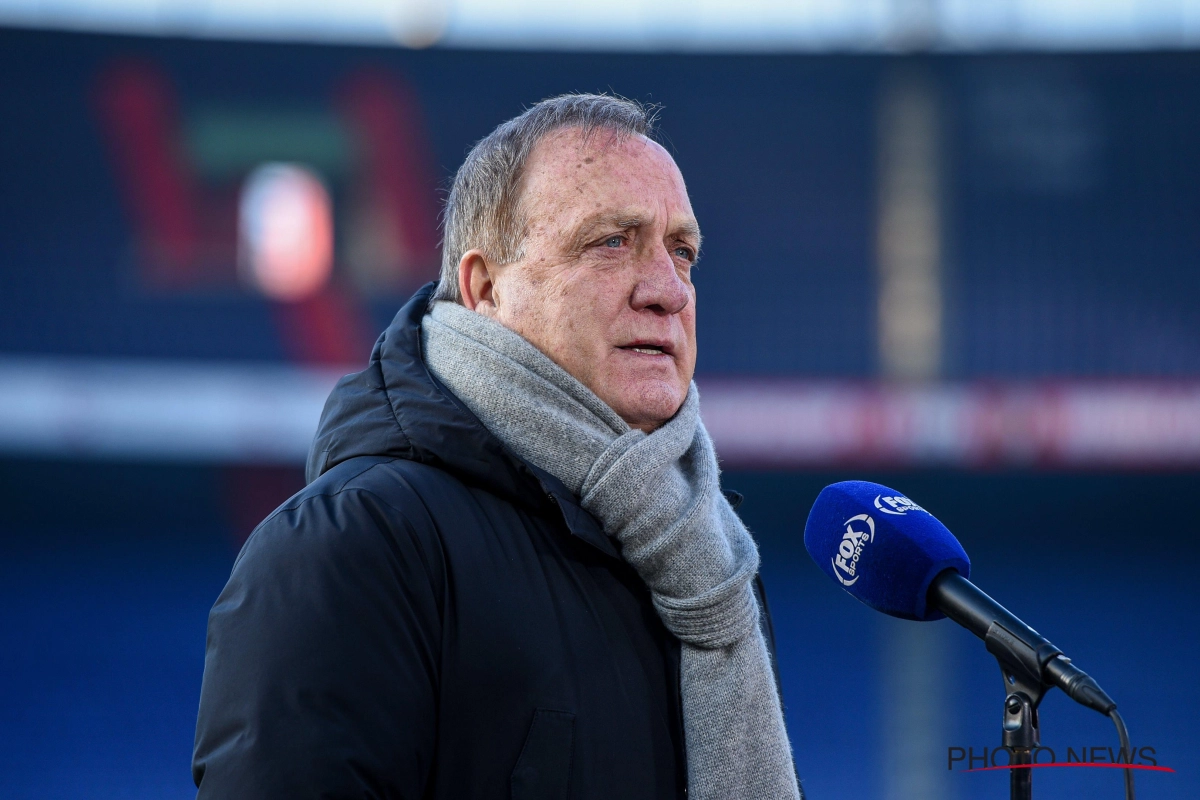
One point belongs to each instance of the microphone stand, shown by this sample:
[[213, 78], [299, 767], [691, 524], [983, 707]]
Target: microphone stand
[[1021, 666]]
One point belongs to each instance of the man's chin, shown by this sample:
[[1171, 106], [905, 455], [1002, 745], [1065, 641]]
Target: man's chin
[[650, 405]]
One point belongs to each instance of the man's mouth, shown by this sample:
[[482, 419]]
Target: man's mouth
[[647, 349]]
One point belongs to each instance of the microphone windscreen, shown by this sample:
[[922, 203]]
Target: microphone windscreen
[[881, 547]]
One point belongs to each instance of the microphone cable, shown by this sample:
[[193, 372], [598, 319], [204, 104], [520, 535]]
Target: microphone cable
[[1123, 735]]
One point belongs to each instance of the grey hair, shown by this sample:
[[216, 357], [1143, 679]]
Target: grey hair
[[483, 210]]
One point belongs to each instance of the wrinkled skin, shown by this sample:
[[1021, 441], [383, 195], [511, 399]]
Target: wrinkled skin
[[610, 243]]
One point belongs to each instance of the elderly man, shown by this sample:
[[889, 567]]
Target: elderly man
[[513, 572]]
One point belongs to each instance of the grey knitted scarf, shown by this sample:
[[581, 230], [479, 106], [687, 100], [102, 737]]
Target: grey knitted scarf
[[659, 497]]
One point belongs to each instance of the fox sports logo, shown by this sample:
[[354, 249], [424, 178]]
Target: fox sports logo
[[897, 506], [860, 531]]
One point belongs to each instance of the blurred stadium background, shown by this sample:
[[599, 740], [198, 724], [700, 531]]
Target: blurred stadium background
[[952, 246]]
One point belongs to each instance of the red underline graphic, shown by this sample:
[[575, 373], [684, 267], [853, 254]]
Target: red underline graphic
[[1073, 764]]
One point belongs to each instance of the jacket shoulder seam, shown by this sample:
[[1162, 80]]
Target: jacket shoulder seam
[[344, 487], [341, 489]]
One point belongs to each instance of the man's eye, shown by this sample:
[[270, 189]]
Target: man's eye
[[614, 241], [685, 253]]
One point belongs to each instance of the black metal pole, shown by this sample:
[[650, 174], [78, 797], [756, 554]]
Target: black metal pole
[[1020, 781], [1020, 737]]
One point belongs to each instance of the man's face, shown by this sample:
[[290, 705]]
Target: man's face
[[604, 288]]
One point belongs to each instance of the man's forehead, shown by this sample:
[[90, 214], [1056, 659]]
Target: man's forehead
[[608, 178], [572, 152]]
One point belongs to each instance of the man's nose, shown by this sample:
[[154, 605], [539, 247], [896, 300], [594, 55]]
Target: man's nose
[[659, 286]]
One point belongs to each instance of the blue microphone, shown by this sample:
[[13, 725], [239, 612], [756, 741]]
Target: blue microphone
[[881, 547], [898, 558]]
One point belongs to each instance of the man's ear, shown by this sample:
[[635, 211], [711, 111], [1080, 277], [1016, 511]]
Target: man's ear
[[477, 283]]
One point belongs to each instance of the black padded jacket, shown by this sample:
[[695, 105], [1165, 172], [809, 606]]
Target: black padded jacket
[[432, 617]]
